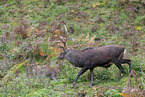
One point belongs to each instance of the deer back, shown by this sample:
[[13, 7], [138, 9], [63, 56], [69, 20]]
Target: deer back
[[95, 56]]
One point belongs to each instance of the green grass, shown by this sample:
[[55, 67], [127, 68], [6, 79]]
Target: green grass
[[29, 31]]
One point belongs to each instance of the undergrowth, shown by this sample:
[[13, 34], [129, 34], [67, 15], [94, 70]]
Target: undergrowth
[[29, 37]]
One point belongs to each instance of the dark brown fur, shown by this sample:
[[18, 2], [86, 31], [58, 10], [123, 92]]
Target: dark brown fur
[[89, 58]]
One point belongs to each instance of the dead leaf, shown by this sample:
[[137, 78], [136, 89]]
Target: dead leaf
[[87, 35], [61, 44], [36, 30], [35, 52], [54, 51], [57, 32], [55, 36], [42, 53], [92, 39], [78, 19]]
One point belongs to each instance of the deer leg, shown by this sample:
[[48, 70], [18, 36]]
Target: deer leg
[[118, 64], [47, 82], [128, 61], [80, 73], [91, 71]]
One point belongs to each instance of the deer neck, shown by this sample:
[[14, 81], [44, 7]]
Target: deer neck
[[72, 57]]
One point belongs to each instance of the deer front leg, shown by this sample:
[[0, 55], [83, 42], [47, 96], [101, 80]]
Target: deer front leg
[[118, 64], [80, 73], [91, 71]]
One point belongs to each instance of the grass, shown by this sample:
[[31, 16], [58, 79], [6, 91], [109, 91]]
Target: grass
[[30, 31]]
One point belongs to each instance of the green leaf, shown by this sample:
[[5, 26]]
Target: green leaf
[[12, 70]]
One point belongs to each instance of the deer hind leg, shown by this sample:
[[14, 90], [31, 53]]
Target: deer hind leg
[[80, 73], [47, 82], [118, 64], [91, 71], [128, 61]]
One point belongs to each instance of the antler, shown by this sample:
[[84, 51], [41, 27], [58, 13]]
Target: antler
[[66, 40]]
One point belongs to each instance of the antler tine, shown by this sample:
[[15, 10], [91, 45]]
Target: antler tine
[[65, 44], [64, 41], [66, 33], [61, 38]]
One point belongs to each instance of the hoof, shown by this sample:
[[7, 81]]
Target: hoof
[[91, 84], [73, 85], [118, 81]]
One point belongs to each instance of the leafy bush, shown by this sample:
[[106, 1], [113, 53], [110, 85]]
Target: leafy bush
[[112, 93], [138, 63], [102, 74], [60, 10]]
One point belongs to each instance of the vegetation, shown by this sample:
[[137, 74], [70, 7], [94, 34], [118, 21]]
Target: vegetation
[[29, 37]]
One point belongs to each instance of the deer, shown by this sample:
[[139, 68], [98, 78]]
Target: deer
[[45, 71], [91, 57]]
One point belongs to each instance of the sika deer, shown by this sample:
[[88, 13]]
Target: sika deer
[[92, 57], [45, 71]]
